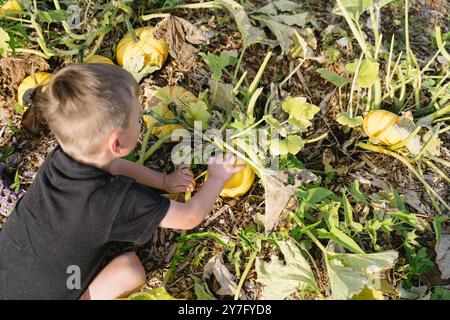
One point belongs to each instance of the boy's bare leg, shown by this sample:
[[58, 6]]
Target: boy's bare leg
[[121, 277]]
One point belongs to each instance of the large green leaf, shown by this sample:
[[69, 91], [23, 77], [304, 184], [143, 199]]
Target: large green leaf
[[349, 274], [280, 279]]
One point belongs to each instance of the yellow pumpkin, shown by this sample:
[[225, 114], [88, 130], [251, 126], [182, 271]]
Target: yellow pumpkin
[[239, 184], [381, 125], [9, 7], [160, 103], [155, 52], [32, 81], [96, 58]]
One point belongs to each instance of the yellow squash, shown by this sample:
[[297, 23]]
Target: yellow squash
[[32, 81], [239, 184], [96, 58], [381, 125], [160, 103], [10, 7], [155, 52]]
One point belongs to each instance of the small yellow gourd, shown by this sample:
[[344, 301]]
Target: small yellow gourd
[[160, 103], [96, 58], [381, 125], [31, 82], [10, 7], [155, 51], [239, 184]]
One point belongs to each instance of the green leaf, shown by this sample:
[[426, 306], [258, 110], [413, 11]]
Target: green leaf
[[398, 200], [49, 16], [279, 279], [344, 281], [198, 112], [354, 191], [344, 240], [348, 215], [4, 46], [314, 195], [218, 63], [300, 112], [345, 119], [437, 226], [368, 72], [292, 144], [290, 162], [349, 274], [408, 218], [334, 78], [201, 290], [330, 212], [154, 294]]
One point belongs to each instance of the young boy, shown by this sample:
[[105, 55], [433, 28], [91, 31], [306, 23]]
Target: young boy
[[86, 197]]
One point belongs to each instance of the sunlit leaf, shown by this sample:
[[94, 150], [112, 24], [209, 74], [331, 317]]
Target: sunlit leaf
[[300, 112], [345, 119], [350, 273], [291, 144], [368, 72], [282, 279]]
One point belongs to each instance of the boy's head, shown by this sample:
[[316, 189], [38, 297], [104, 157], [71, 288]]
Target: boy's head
[[92, 109]]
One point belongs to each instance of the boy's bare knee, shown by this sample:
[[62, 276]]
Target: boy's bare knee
[[132, 268]]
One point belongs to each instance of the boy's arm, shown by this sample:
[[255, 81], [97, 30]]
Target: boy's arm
[[185, 216], [141, 174], [178, 181], [190, 214]]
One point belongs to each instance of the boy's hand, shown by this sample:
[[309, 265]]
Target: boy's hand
[[180, 180], [223, 167]]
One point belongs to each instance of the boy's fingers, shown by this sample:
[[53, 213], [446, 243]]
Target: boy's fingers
[[188, 172], [238, 168], [183, 166], [230, 158]]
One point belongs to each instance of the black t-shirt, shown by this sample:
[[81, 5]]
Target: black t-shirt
[[65, 224]]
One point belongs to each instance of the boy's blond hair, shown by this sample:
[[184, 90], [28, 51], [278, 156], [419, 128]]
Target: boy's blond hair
[[84, 103]]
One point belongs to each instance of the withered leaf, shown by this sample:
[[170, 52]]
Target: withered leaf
[[181, 35]]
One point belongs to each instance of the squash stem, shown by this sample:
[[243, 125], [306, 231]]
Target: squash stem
[[156, 146], [144, 143], [244, 274]]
